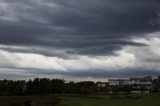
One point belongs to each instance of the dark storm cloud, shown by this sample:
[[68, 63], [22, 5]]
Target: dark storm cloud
[[115, 74], [92, 27], [97, 74]]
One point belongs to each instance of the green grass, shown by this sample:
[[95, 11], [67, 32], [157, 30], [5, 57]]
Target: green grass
[[112, 100], [123, 100], [29, 101]]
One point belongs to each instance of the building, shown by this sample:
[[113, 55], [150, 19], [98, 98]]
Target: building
[[114, 82], [138, 84], [141, 84], [132, 81], [141, 80], [102, 84]]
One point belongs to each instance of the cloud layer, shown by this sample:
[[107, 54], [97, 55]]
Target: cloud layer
[[97, 38]]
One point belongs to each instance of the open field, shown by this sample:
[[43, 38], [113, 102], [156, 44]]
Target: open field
[[112, 100]]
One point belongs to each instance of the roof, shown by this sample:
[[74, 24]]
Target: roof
[[118, 79], [148, 78]]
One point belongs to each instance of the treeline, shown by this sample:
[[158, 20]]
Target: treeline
[[40, 86], [156, 84]]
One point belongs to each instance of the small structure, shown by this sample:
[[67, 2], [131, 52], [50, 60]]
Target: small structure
[[141, 80], [102, 84], [114, 82], [138, 84], [141, 84]]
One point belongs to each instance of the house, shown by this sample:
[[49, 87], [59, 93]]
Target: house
[[138, 84], [114, 82], [102, 84], [141, 80], [142, 84]]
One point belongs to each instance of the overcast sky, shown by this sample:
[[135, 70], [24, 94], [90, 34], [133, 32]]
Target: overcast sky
[[79, 39]]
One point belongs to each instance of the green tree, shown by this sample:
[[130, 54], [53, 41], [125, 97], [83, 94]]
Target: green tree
[[19, 87], [157, 84]]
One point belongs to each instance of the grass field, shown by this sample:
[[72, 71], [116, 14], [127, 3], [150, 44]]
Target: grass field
[[112, 100]]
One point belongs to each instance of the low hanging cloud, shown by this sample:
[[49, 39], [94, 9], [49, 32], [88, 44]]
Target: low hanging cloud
[[130, 59], [79, 38]]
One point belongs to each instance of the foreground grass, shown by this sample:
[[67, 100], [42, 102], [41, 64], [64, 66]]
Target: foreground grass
[[112, 100], [29, 101]]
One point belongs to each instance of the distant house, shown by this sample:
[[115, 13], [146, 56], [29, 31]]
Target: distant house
[[102, 84], [141, 80], [138, 84], [142, 84], [114, 82]]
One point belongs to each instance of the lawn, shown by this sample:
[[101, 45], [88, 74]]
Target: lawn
[[112, 100]]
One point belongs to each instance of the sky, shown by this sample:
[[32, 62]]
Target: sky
[[79, 39]]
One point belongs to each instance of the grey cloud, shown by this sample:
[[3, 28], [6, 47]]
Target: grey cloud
[[86, 73], [86, 27]]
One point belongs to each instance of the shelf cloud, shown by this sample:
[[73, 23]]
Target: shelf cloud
[[79, 38]]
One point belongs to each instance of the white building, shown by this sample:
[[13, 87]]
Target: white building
[[102, 84], [139, 84], [132, 81], [114, 82], [141, 80]]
